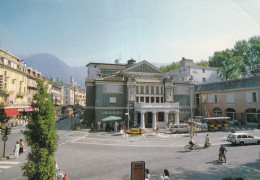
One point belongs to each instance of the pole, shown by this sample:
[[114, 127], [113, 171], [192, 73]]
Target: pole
[[191, 103], [128, 118], [4, 149]]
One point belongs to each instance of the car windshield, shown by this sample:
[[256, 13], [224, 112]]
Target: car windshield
[[250, 136], [231, 136]]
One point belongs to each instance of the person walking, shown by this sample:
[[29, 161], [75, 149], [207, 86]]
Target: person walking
[[140, 131], [165, 175], [147, 174], [16, 149], [21, 146], [104, 126]]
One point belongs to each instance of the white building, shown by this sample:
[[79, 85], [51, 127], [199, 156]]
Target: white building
[[68, 96], [198, 74]]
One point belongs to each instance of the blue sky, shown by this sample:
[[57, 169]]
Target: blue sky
[[159, 31]]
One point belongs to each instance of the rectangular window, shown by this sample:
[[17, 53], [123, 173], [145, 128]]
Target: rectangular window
[[162, 90], [147, 99], [147, 89], [203, 79], [137, 87], [157, 89], [137, 99], [112, 100], [251, 96], [157, 99], [213, 98], [152, 99], [254, 97], [161, 99], [230, 97], [152, 89], [141, 99], [141, 90]]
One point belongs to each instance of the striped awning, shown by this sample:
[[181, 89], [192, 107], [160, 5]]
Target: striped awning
[[11, 112]]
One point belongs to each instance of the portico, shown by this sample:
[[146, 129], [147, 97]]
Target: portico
[[160, 114]]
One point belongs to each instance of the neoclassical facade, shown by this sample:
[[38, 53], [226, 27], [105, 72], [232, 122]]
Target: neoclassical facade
[[138, 92]]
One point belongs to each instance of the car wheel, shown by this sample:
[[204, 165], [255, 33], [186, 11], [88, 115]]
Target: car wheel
[[242, 143], [258, 142]]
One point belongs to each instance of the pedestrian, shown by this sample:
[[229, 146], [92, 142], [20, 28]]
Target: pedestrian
[[157, 129], [99, 124], [65, 176], [56, 165], [92, 126], [233, 130], [21, 146], [140, 131], [124, 128], [165, 175], [104, 126], [115, 126], [16, 149], [147, 174]]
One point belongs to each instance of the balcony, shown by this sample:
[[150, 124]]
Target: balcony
[[20, 94], [156, 106]]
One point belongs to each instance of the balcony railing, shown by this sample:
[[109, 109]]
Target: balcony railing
[[156, 105]]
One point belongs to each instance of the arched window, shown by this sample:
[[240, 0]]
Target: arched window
[[230, 112], [251, 115], [217, 112]]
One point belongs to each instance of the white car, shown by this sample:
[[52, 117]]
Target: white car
[[180, 128], [242, 139]]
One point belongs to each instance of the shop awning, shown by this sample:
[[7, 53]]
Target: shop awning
[[11, 112], [112, 118], [28, 109]]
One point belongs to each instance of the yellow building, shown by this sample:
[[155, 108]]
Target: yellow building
[[13, 86]]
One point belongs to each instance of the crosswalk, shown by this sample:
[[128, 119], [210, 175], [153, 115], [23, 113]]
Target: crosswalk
[[241, 128], [7, 164]]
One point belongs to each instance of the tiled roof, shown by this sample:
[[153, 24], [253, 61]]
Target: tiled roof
[[252, 82]]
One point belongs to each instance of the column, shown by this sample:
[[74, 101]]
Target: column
[[142, 120], [166, 116], [176, 117], [154, 119]]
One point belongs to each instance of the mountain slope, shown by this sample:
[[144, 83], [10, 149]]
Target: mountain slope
[[51, 66]]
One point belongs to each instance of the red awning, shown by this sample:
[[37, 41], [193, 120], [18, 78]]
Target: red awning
[[11, 112]]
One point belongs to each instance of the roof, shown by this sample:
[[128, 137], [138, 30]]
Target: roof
[[105, 64], [244, 83]]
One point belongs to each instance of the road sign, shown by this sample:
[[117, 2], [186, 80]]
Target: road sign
[[4, 138], [138, 170]]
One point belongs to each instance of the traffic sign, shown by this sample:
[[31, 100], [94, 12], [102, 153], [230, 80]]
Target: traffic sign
[[4, 138]]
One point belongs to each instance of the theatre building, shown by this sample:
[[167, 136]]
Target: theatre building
[[139, 92]]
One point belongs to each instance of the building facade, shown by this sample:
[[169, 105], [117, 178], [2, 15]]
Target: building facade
[[138, 92], [238, 99], [13, 86], [199, 74], [56, 94]]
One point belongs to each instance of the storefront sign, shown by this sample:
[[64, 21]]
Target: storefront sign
[[138, 170], [20, 109]]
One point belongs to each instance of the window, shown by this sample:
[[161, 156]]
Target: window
[[157, 89], [161, 99], [152, 99], [230, 98], [141, 99], [203, 98], [239, 136], [251, 96], [141, 90], [147, 89], [157, 99], [137, 87], [203, 79], [152, 89], [213, 98], [112, 100], [244, 136], [162, 90], [147, 99]]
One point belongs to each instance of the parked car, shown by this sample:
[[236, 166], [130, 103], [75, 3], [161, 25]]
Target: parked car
[[180, 128], [242, 139]]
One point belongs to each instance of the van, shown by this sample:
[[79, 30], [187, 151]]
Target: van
[[180, 128]]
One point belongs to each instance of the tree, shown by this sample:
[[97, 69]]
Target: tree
[[227, 63], [202, 63], [41, 137], [170, 67]]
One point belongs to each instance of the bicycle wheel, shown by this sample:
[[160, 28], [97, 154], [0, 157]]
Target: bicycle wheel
[[187, 148]]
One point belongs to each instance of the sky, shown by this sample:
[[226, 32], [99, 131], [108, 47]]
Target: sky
[[159, 31]]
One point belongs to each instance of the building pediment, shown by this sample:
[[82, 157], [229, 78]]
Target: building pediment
[[143, 67]]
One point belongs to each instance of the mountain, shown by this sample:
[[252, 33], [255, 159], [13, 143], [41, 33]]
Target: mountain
[[51, 66]]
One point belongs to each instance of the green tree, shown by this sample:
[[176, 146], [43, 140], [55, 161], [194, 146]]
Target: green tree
[[227, 63], [249, 51], [41, 137], [168, 68], [202, 63]]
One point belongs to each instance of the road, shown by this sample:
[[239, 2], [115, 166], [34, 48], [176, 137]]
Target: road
[[100, 155]]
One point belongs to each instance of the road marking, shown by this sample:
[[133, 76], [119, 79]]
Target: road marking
[[5, 167], [8, 162], [72, 140]]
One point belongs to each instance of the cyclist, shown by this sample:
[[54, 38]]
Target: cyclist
[[191, 143], [222, 151]]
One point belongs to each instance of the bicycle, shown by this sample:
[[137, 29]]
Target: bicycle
[[189, 148]]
